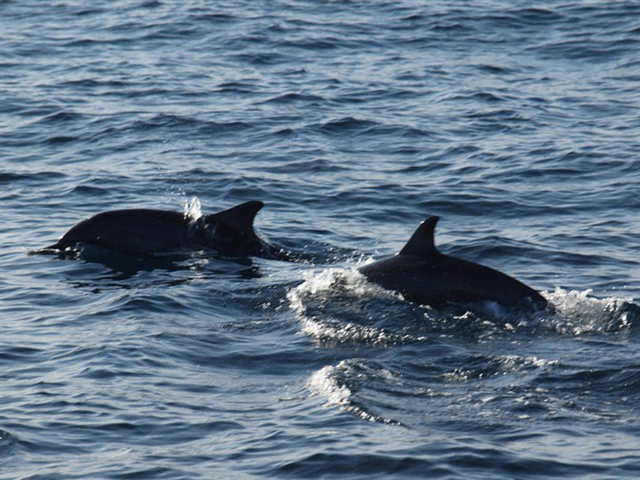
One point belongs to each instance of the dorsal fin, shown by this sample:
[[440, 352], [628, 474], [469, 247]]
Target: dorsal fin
[[240, 217], [421, 242]]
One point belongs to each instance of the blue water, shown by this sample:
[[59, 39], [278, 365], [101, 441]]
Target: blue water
[[518, 125]]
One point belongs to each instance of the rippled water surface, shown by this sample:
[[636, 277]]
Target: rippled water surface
[[518, 125]]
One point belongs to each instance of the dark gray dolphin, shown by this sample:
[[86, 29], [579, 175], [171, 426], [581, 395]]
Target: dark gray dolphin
[[145, 231], [424, 275]]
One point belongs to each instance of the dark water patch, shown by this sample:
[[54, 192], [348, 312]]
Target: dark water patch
[[104, 374], [289, 98], [62, 117], [90, 190], [83, 43], [479, 96], [453, 27], [89, 12], [599, 51], [18, 354], [496, 69], [93, 83], [354, 464], [205, 16], [265, 59], [45, 176], [347, 124], [51, 448], [319, 165], [60, 140], [612, 382], [7, 445], [186, 124], [244, 88], [357, 127], [539, 16], [154, 305], [151, 472], [503, 115]]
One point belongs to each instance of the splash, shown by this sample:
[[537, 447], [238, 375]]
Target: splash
[[578, 313], [325, 300], [192, 209], [574, 313], [335, 282], [339, 305]]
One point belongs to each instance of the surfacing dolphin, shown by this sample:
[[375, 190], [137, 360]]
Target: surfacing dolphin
[[424, 275], [146, 231]]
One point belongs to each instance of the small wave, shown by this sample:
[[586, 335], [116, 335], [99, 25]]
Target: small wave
[[94, 83], [338, 385], [60, 140], [495, 69], [323, 383], [7, 442], [163, 121], [61, 117], [498, 365], [315, 166], [355, 126], [592, 51], [201, 15], [503, 115], [482, 96], [350, 124], [90, 190], [262, 58], [292, 97]]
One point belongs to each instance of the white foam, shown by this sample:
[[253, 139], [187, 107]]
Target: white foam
[[333, 282], [506, 365], [341, 290], [516, 363], [323, 383], [327, 329], [577, 312]]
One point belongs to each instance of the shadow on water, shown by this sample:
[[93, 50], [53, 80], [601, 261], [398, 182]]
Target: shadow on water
[[123, 266]]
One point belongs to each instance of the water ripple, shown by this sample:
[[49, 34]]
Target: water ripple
[[352, 121]]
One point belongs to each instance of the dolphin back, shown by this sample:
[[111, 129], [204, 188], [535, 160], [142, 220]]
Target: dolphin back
[[424, 275], [135, 231]]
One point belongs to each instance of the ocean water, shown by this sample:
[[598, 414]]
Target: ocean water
[[518, 124]]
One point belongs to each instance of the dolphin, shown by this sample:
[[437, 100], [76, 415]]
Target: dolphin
[[147, 231], [424, 275]]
